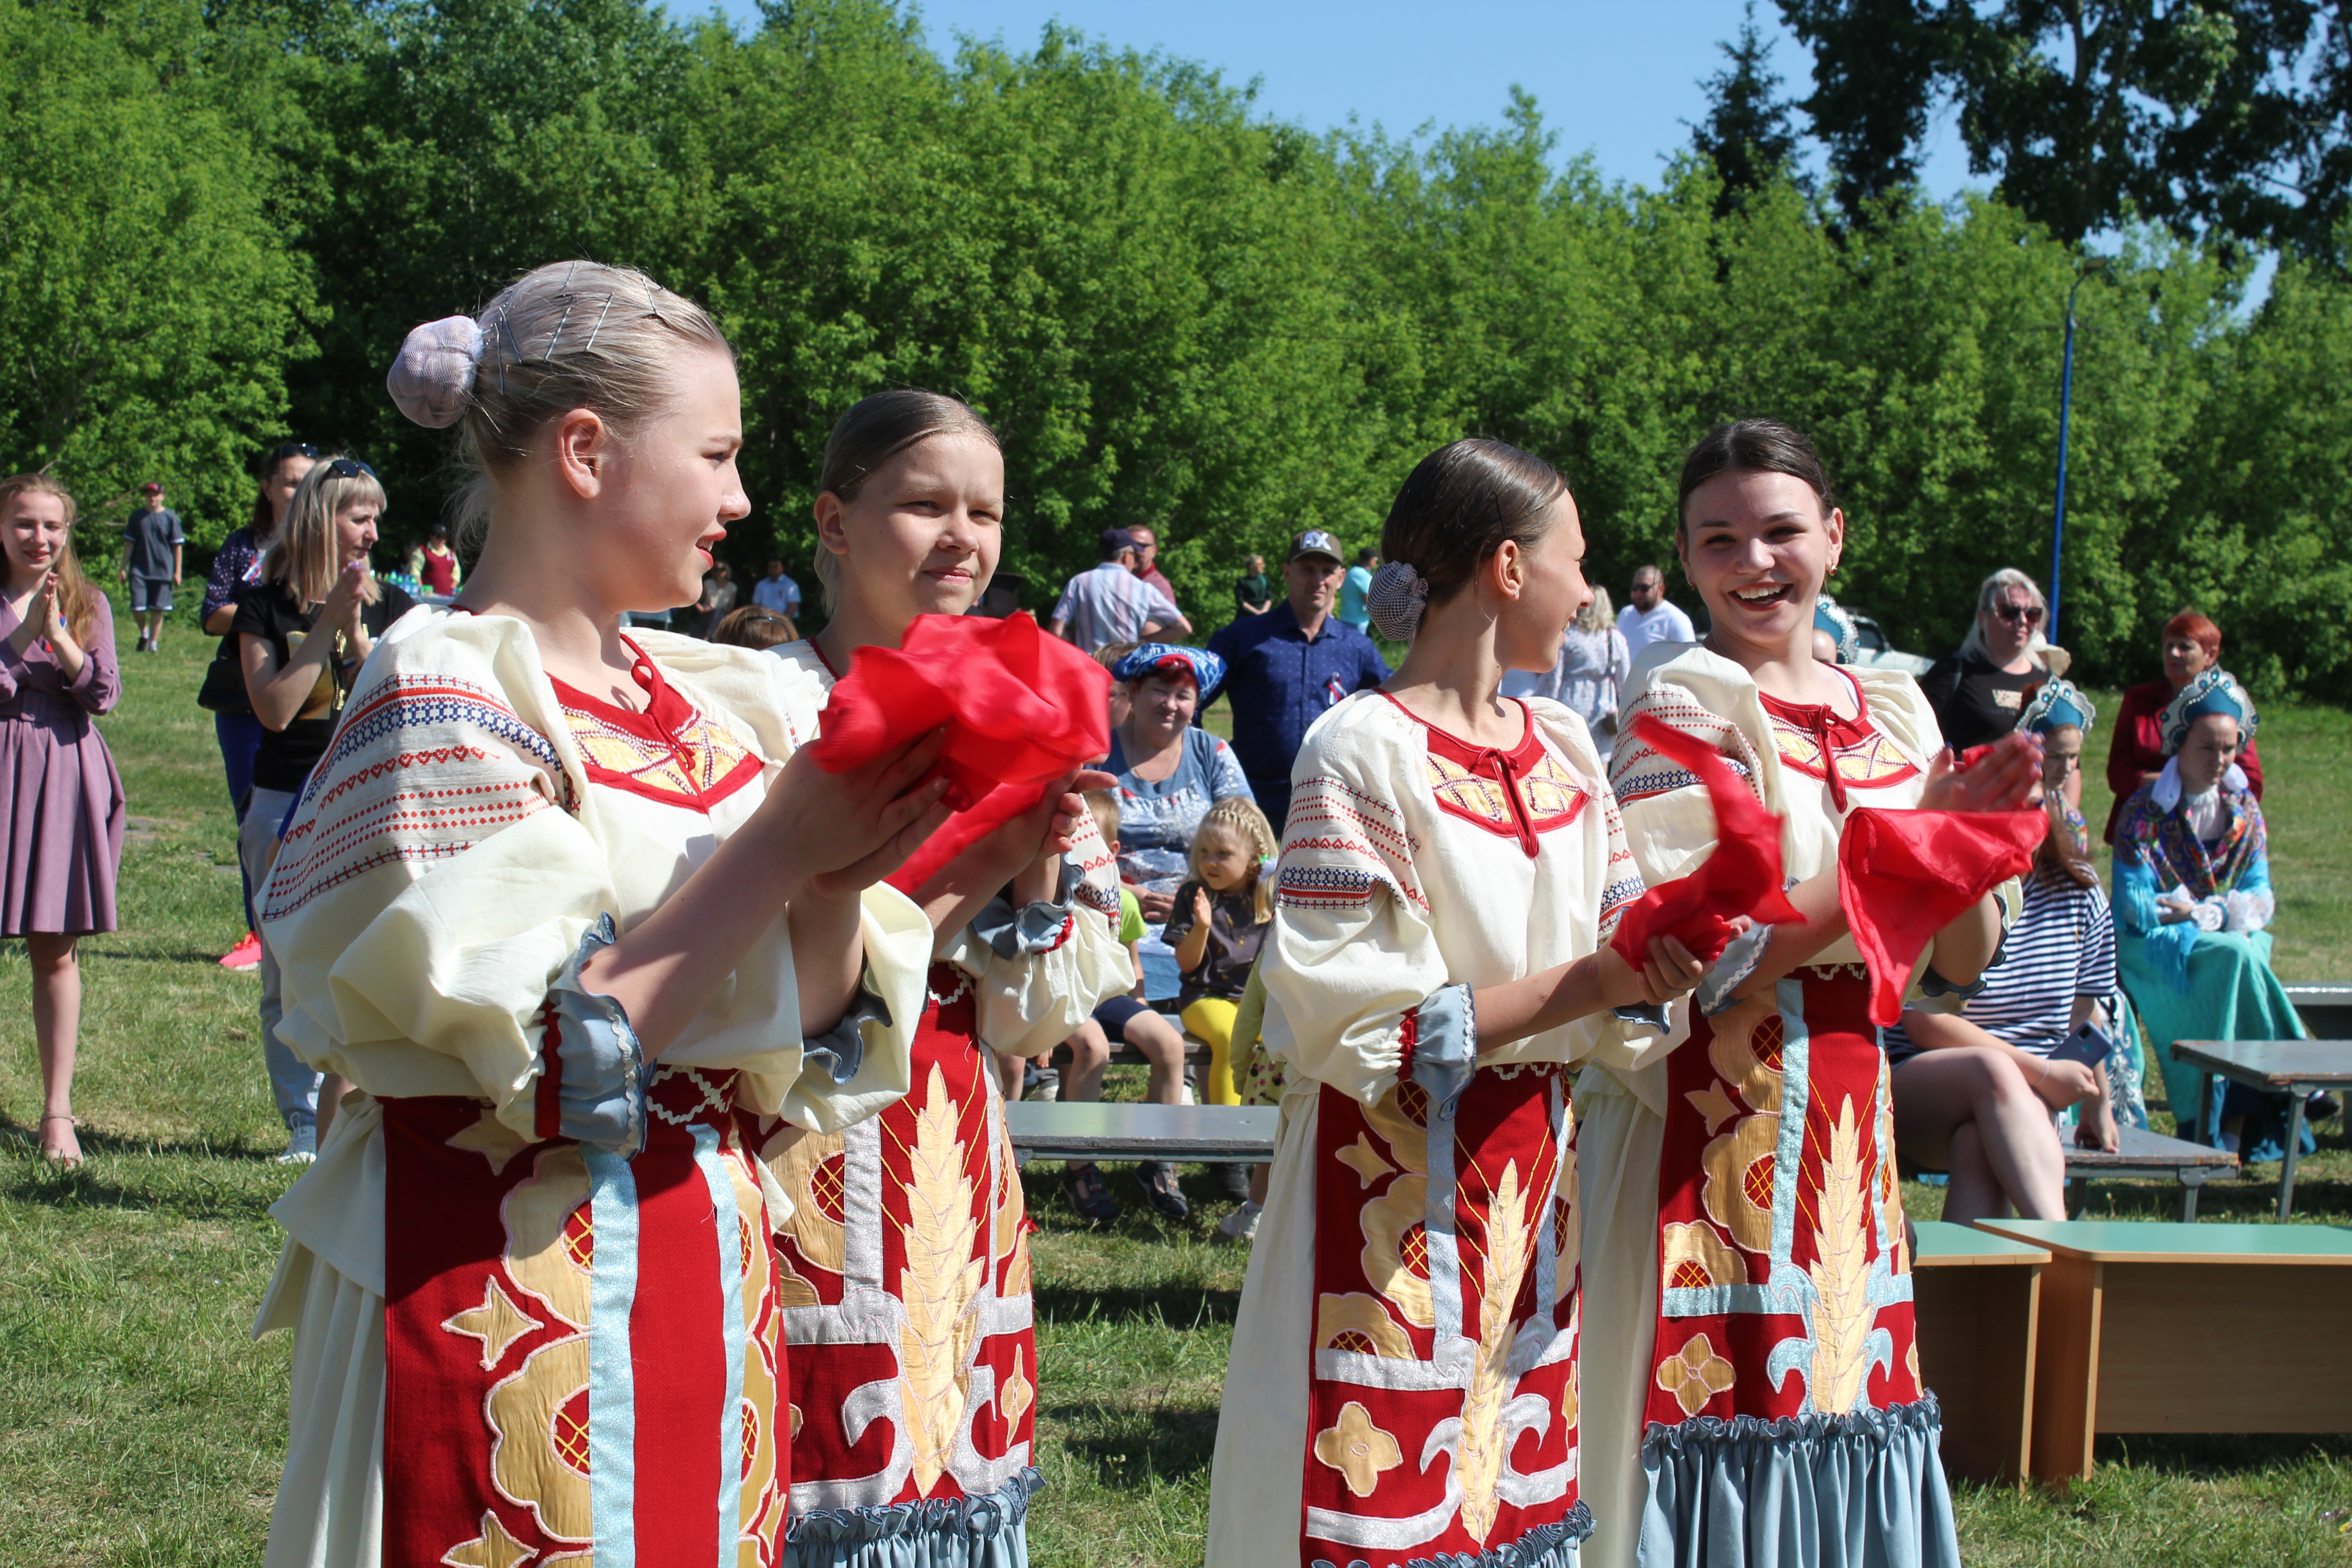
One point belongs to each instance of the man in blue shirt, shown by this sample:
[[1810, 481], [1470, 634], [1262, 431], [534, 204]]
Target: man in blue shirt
[[1288, 668]]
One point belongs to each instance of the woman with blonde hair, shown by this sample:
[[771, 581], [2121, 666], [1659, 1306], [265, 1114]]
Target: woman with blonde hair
[[1591, 672], [61, 820], [303, 630], [571, 908]]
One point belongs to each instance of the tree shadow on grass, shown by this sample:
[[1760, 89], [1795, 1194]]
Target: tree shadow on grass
[[1155, 1306], [1130, 1447], [186, 1192]]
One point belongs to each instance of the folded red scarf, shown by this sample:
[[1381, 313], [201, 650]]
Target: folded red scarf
[[1742, 877], [1022, 709], [1903, 876]]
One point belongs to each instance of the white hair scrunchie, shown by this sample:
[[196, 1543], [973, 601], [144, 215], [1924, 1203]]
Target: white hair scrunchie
[[433, 379], [1396, 599]]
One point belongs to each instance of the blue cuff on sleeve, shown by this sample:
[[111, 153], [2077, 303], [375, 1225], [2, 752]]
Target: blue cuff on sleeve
[[1445, 1045], [603, 1071], [1739, 961], [1034, 928], [841, 1050]]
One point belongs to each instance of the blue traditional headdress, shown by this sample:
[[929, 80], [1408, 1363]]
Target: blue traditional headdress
[[1207, 670], [1831, 617], [2057, 703], [2216, 690]]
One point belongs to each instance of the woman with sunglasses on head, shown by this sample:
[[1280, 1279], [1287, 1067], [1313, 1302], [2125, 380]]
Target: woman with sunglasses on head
[[237, 564], [303, 629], [1977, 691]]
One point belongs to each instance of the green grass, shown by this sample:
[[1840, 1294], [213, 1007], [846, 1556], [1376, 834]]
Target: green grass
[[139, 1424]]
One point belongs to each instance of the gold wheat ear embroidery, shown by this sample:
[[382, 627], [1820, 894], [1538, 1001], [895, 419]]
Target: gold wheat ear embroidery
[[1485, 1445], [939, 1285], [1842, 1272]]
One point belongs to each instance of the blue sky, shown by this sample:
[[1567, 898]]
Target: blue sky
[[1616, 79]]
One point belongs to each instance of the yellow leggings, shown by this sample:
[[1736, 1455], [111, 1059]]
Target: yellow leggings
[[1212, 1018]]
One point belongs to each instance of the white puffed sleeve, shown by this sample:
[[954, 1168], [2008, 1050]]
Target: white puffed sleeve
[[1037, 973], [1353, 956]]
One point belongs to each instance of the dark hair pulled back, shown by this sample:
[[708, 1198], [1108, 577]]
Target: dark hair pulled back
[[876, 429], [1460, 504], [1755, 446]]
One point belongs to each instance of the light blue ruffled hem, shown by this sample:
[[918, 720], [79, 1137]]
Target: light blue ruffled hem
[[988, 1532], [601, 1092], [1864, 1489], [1554, 1545]]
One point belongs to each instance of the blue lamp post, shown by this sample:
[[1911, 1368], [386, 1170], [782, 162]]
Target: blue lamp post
[[2065, 411]]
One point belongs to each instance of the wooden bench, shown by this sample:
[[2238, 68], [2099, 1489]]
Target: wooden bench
[[2324, 1007], [2145, 1155], [2294, 1068], [1091, 1130], [2149, 1326], [1976, 1297]]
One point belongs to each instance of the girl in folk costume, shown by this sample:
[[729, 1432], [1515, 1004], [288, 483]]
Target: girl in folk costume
[[563, 906], [1752, 1391], [1402, 1386], [905, 1257]]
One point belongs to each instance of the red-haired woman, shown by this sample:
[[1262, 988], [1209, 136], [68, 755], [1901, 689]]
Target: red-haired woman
[[2192, 644]]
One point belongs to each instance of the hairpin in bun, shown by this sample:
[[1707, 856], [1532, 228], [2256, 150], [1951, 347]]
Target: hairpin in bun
[[433, 379], [1396, 599]]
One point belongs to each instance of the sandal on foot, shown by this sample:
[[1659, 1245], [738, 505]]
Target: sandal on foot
[[1083, 1186], [64, 1157], [1157, 1179]]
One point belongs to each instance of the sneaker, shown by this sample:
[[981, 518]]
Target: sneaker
[[246, 955], [301, 1145], [1083, 1185], [1241, 1224], [1231, 1180], [1157, 1179]]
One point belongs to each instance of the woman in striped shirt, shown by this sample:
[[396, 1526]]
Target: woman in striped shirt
[[1976, 1092]]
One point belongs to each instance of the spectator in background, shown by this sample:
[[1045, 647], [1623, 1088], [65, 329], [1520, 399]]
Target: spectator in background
[[434, 564], [1147, 560], [2192, 644], [2193, 902], [152, 547], [1590, 675], [1253, 590], [303, 631], [718, 599], [1974, 1090], [1289, 667], [61, 820], [238, 562], [777, 591], [1111, 603], [754, 625], [1651, 617], [1352, 589], [1979, 692]]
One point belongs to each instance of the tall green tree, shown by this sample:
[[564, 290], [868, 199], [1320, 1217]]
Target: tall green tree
[[1748, 137]]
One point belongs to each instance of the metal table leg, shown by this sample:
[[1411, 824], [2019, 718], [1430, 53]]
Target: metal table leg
[[2205, 1132], [2190, 1182], [2294, 1146]]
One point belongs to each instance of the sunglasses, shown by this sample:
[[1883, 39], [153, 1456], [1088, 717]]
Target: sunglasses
[[2030, 614], [348, 468], [286, 449]]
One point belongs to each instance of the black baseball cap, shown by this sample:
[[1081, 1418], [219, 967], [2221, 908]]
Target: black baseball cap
[[1116, 539], [1315, 542]]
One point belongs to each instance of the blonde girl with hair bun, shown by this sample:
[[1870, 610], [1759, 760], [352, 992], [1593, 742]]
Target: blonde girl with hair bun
[[571, 911]]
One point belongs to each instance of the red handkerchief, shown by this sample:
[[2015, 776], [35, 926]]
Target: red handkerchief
[[1022, 709], [1741, 877], [1905, 875]]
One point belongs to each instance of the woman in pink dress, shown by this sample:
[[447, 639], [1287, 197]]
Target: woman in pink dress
[[61, 822]]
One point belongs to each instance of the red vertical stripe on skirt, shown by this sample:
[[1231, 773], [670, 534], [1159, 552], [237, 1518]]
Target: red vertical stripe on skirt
[[672, 1348]]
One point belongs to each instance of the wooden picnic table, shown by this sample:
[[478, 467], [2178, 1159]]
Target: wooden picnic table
[[1977, 1299], [1092, 1129], [2296, 1068], [2142, 1154], [2150, 1326]]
